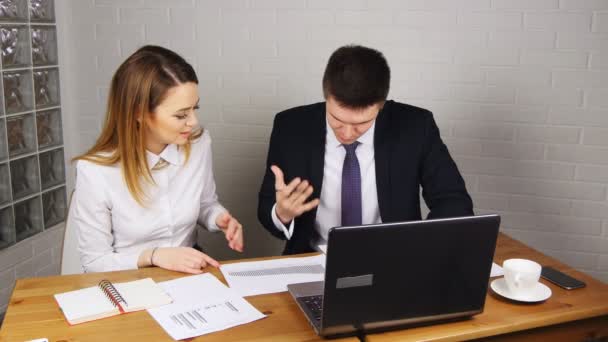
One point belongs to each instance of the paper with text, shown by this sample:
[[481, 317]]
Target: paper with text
[[201, 305], [271, 276]]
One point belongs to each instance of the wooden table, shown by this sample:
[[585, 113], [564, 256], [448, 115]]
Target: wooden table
[[567, 315], [576, 315], [33, 313]]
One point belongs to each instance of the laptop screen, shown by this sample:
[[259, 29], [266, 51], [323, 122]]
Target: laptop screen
[[424, 270]]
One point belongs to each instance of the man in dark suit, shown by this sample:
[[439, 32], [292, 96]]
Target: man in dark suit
[[362, 159]]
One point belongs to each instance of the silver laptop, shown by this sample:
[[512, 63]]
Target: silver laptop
[[387, 276]]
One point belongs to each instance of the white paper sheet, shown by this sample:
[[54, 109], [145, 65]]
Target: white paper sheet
[[496, 270], [271, 276], [323, 248], [201, 305]]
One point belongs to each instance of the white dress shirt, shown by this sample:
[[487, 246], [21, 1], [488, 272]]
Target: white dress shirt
[[329, 211], [113, 229]]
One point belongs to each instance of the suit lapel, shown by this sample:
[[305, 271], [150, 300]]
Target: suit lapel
[[382, 160], [317, 151], [315, 146]]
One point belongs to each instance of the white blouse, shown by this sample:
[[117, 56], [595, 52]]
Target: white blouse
[[113, 229]]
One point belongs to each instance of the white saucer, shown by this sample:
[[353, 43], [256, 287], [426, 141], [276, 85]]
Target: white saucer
[[538, 294]]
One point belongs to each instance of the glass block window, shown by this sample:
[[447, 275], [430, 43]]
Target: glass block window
[[32, 163]]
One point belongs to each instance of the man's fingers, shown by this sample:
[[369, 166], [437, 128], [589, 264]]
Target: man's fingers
[[301, 187], [286, 191], [291, 197], [303, 196], [309, 205], [279, 179]]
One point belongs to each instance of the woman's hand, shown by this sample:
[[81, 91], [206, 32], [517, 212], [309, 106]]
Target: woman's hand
[[232, 229], [181, 259]]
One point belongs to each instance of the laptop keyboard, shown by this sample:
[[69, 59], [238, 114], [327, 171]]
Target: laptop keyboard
[[314, 305]]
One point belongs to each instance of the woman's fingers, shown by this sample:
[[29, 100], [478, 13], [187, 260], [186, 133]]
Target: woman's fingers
[[209, 260], [233, 225], [238, 240], [190, 270]]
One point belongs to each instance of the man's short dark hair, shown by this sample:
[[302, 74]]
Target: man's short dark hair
[[356, 77]]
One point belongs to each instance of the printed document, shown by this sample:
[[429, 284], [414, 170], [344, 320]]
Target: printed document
[[201, 305], [271, 276]]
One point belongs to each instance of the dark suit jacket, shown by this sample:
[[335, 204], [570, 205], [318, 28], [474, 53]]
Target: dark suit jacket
[[409, 154]]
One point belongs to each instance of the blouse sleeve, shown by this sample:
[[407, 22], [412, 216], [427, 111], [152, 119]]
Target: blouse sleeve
[[90, 213], [210, 206]]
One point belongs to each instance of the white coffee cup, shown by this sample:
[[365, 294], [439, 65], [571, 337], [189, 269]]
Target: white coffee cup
[[521, 275]]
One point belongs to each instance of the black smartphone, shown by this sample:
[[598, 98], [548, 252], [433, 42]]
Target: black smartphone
[[561, 279]]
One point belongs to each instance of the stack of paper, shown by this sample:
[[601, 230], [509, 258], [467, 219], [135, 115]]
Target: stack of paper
[[201, 305]]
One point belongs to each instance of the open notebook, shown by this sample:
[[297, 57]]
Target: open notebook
[[109, 299]]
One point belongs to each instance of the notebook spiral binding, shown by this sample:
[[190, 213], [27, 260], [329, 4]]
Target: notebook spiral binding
[[110, 291]]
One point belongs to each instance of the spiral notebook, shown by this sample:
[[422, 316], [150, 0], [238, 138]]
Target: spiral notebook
[[108, 299]]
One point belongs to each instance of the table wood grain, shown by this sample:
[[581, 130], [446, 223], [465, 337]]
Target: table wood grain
[[567, 315], [573, 315]]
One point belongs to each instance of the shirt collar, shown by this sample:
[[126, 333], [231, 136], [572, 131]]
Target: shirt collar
[[366, 139], [170, 154]]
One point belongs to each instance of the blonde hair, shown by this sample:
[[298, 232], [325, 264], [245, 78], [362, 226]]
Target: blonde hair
[[139, 85]]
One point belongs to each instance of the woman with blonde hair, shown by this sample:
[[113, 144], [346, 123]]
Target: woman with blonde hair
[[148, 179]]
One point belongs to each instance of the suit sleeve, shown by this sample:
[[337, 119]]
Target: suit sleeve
[[443, 187], [266, 196]]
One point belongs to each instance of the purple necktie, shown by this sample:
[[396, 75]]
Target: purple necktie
[[351, 187]]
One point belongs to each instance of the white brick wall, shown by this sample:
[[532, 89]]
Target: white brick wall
[[519, 89], [37, 256]]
